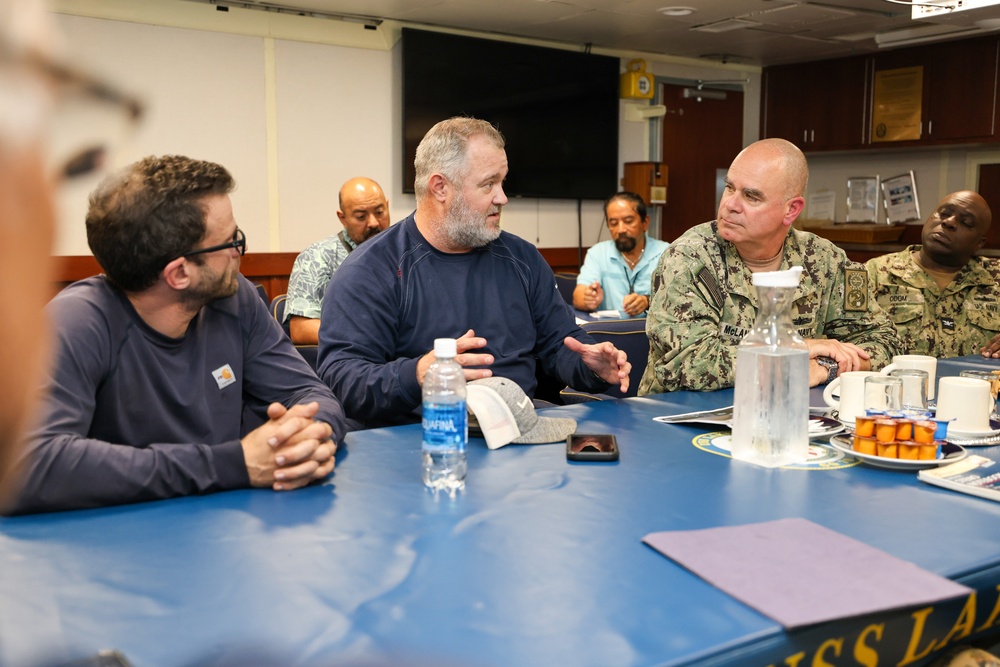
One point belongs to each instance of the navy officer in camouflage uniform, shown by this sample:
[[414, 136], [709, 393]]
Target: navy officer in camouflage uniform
[[704, 301], [944, 301]]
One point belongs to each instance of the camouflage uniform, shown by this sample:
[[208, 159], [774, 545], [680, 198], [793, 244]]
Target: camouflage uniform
[[955, 321], [704, 303]]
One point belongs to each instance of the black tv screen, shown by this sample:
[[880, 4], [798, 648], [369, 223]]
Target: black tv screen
[[557, 110]]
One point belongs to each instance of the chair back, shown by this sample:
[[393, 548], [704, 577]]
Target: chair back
[[278, 312], [566, 282], [262, 291], [630, 336]]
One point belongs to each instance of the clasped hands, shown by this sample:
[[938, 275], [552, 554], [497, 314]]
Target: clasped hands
[[604, 359], [291, 449], [849, 357], [633, 304]]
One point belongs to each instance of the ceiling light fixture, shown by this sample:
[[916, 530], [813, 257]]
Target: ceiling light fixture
[[676, 11], [921, 35], [725, 25]]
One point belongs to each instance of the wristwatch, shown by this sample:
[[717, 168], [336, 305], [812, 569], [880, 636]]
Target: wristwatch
[[831, 365]]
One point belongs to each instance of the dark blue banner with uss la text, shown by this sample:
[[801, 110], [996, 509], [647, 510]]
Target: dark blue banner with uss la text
[[912, 636]]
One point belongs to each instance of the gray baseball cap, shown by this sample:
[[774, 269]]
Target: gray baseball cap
[[505, 414]]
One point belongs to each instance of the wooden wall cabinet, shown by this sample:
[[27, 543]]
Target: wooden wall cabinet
[[961, 83], [826, 105], [819, 105]]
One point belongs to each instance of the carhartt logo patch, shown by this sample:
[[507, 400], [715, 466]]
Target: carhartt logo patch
[[224, 376]]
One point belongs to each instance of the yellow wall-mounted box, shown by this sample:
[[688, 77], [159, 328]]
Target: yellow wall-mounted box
[[637, 83]]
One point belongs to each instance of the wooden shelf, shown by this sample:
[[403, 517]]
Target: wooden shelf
[[854, 232]]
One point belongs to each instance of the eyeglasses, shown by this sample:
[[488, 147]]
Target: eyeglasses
[[239, 242], [88, 118]]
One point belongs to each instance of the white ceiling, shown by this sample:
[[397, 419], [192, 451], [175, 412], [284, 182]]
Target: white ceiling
[[771, 31]]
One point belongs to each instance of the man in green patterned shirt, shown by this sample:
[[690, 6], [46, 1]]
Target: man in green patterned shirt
[[364, 212], [704, 301], [944, 300]]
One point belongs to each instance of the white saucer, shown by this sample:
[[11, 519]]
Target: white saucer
[[821, 427], [950, 453], [970, 435]]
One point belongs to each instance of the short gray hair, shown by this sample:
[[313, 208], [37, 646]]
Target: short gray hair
[[443, 149]]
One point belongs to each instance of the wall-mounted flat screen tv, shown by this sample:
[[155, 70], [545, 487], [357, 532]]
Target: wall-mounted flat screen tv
[[557, 109]]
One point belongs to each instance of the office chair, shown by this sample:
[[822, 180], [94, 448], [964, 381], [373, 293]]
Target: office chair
[[309, 352], [566, 282], [628, 335], [278, 312]]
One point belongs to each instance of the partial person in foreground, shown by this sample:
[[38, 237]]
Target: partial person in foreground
[[364, 212], [704, 301], [171, 378], [448, 271], [616, 273], [34, 87], [943, 299]]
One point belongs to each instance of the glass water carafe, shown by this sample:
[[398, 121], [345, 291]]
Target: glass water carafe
[[771, 403]]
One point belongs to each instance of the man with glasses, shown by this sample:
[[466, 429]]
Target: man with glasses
[[704, 301], [616, 273], [171, 377], [27, 220]]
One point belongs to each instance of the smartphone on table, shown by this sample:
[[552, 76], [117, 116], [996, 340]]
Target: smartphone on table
[[591, 447]]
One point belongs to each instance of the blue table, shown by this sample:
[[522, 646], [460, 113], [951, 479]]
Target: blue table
[[538, 562], [973, 362]]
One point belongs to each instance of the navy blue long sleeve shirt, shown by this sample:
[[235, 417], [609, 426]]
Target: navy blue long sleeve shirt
[[396, 293], [130, 414]]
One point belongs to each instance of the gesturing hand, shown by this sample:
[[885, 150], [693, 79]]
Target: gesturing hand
[[608, 362]]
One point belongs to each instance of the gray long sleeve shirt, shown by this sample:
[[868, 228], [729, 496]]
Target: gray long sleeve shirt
[[131, 415]]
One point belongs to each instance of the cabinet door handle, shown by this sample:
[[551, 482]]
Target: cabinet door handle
[[930, 127], [805, 136], [812, 136]]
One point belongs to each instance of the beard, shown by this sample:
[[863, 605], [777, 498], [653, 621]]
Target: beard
[[625, 243], [213, 287], [465, 228]]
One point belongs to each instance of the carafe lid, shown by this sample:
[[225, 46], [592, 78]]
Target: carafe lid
[[789, 278]]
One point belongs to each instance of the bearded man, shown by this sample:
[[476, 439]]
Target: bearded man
[[171, 377], [616, 274], [448, 271]]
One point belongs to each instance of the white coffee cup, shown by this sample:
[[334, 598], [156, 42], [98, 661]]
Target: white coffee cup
[[919, 362], [967, 402], [851, 386]]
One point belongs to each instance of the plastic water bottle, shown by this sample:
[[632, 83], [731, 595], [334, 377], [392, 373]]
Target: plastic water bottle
[[445, 421], [771, 403]]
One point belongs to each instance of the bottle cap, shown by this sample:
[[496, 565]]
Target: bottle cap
[[789, 278], [445, 348]]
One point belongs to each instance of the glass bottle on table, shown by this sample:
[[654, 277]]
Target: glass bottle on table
[[771, 401]]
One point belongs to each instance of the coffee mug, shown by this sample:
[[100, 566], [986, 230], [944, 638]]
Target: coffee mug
[[967, 402], [919, 362], [851, 388]]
